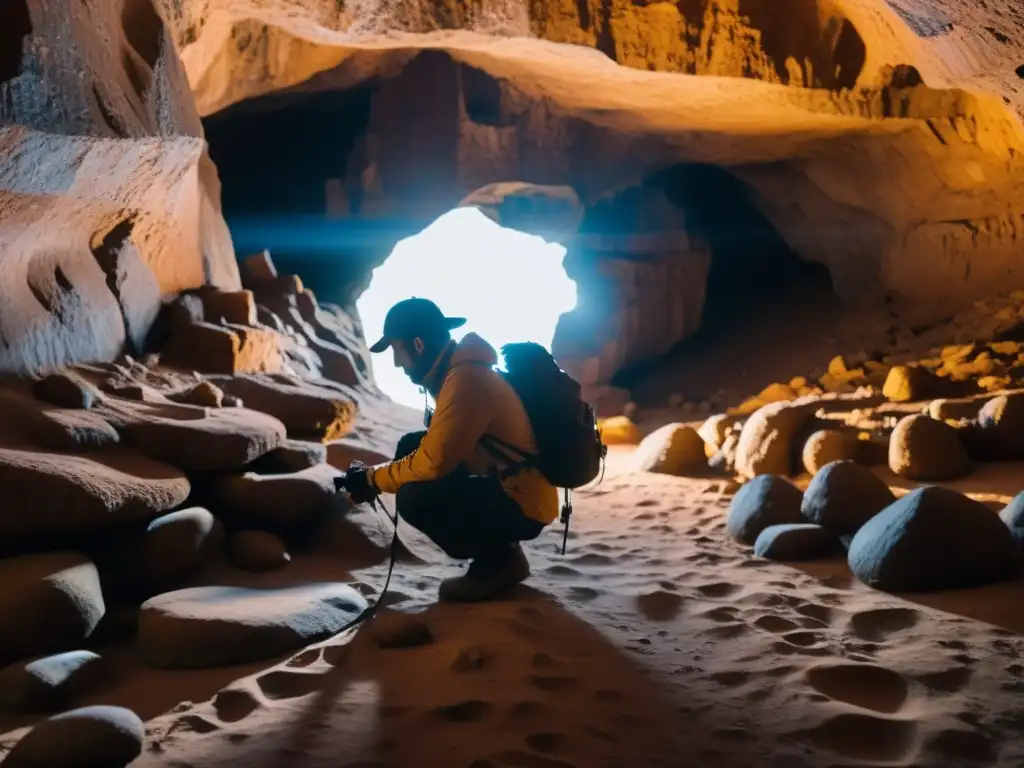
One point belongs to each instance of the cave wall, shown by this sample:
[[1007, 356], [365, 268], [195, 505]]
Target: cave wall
[[107, 201]]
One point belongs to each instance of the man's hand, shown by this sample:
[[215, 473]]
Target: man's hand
[[357, 483]]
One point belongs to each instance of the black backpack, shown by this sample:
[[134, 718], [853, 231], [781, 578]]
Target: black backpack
[[570, 451]]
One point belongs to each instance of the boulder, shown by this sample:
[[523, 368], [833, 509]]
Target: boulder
[[257, 551], [618, 430], [76, 494], [48, 683], [279, 503], [49, 603], [291, 456], [921, 448], [222, 626], [715, 429], [674, 449], [843, 496], [227, 349], [308, 411], [341, 454], [933, 538], [66, 389], [1001, 427], [724, 460], [766, 440], [955, 409], [163, 556], [82, 738], [762, 502], [828, 445], [1013, 516], [222, 440], [906, 384], [795, 541]]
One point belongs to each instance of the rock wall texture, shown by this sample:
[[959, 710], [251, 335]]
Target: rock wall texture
[[108, 201], [843, 121]]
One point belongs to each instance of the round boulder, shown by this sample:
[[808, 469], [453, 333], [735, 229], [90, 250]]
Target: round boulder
[[1013, 515], [222, 626], [921, 448], [796, 541], [257, 551], [828, 445], [1001, 427], [163, 556], [49, 603], [762, 502], [766, 441], [86, 738], [675, 449], [933, 538], [48, 683], [844, 495]]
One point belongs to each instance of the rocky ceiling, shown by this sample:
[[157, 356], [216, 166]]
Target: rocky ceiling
[[881, 140]]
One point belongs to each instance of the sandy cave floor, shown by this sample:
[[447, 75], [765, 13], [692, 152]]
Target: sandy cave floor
[[655, 641]]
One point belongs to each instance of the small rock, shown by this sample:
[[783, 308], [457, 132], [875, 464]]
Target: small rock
[[257, 551], [795, 541], [222, 626], [230, 401], [921, 448], [715, 429], [397, 630], [674, 449], [762, 502], [82, 738], [48, 683], [1001, 427], [843, 496], [933, 538], [259, 267], [203, 394], [49, 603], [66, 390]]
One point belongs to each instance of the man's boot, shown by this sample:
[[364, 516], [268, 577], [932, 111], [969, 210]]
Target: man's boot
[[487, 577]]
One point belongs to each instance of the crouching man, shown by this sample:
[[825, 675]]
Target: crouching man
[[463, 482]]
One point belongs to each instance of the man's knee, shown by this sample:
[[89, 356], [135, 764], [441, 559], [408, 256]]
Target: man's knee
[[412, 502], [409, 443]]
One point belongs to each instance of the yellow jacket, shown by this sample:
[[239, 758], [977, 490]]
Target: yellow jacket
[[474, 400]]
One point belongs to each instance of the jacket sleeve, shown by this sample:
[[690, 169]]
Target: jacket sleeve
[[463, 414]]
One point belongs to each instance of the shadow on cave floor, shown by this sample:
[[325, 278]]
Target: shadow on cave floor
[[767, 312]]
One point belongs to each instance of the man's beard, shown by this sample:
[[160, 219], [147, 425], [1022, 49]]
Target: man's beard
[[420, 367]]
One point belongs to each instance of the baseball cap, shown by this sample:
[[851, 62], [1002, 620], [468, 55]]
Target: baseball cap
[[411, 318]]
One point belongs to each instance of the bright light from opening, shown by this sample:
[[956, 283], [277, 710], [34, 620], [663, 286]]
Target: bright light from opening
[[510, 286]]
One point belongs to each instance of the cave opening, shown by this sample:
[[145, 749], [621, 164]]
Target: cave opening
[[510, 286], [754, 278], [290, 166], [15, 26]]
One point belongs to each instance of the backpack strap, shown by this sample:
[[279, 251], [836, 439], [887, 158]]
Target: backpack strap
[[497, 448]]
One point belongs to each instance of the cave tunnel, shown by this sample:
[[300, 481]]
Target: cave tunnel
[[753, 274], [284, 160]]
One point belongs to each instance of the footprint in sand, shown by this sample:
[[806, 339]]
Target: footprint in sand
[[471, 711], [528, 712], [960, 744], [660, 605], [284, 684], [821, 613], [542, 660], [554, 683], [597, 733], [195, 724], [583, 594], [727, 631], [950, 680], [550, 743], [718, 590], [863, 685], [865, 737], [232, 705], [647, 503], [562, 571], [776, 624], [592, 559], [724, 614], [880, 624], [516, 758], [804, 638], [730, 679], [471, 659]]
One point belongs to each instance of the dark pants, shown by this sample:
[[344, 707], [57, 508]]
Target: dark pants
[[468, 516]]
